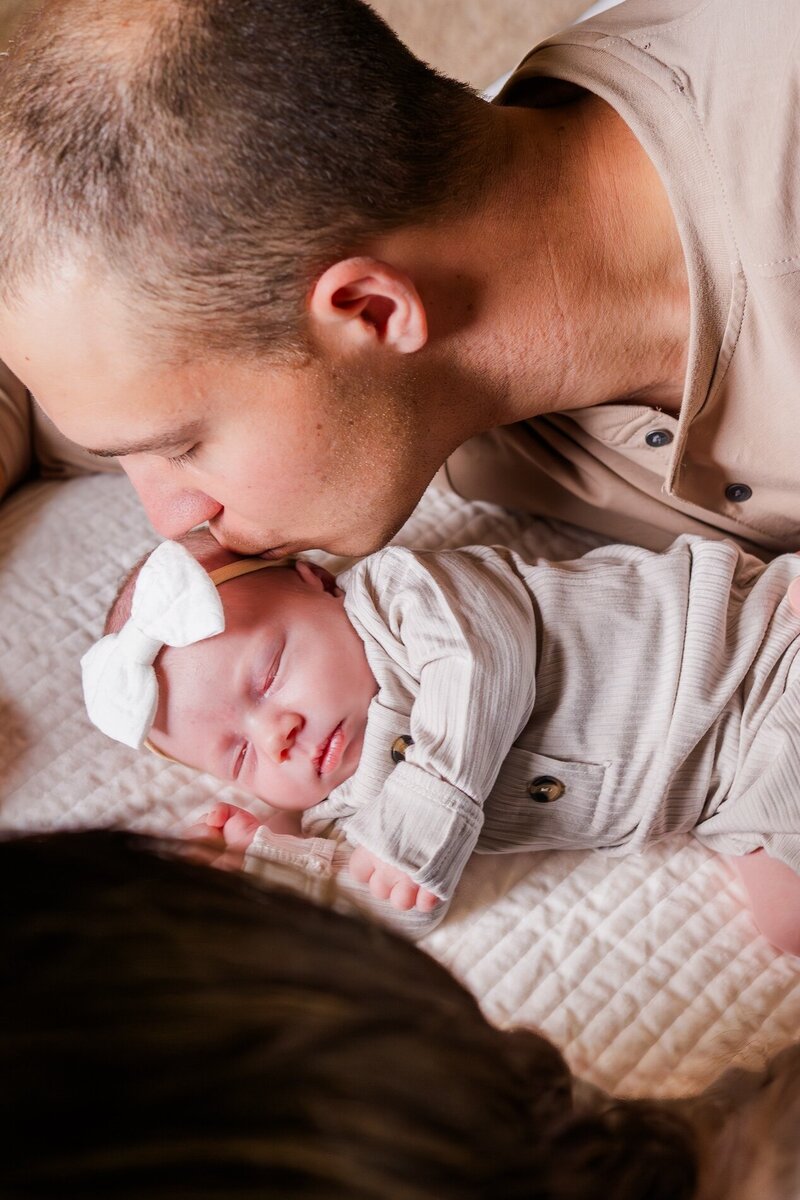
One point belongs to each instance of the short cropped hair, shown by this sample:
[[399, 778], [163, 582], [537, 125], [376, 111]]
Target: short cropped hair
[[173, 1030], [219, 154]]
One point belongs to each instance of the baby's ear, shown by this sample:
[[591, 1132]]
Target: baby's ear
[[317, 577]]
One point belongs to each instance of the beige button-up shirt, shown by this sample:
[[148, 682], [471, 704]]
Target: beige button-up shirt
[[605, 702], [710, 89]]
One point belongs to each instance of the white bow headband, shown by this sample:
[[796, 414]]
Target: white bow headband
[[175, 603]]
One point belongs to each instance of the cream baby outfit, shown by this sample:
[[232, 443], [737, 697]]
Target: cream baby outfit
[[606, 702]]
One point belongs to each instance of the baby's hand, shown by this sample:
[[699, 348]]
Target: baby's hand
[[389, 883], [233, 828]]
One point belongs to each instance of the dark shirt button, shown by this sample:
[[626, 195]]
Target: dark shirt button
[[399, 747], [658, 437], [544, 789], [738, 492]]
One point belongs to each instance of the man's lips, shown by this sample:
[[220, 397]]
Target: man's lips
[[330, 751]]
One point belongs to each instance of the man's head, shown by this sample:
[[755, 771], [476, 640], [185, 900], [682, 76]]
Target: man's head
[[277, 703], [189, 195]]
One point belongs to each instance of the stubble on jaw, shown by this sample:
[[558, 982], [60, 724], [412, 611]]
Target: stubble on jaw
[[381, 446]]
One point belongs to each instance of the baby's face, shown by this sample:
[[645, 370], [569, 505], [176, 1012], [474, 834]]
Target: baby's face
[[276, 704]]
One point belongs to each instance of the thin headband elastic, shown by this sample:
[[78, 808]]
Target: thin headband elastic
[[245, 566]]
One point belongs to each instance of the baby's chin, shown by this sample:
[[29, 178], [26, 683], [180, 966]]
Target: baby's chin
[[292, 803]]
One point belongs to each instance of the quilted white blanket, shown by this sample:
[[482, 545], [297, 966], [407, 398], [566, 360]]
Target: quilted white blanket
[[647, 970]]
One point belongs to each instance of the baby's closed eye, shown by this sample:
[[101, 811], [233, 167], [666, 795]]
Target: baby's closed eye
[[264, 679], [239, 759]]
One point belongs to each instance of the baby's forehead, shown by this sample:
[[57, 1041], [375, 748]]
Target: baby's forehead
[[256, 598], [196, 685], [248, 614], [253, 600]]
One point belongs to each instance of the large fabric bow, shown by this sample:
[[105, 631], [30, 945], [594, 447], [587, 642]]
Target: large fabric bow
[[175, 603]]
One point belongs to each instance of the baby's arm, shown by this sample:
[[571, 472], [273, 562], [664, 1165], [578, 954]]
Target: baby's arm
[[774, 892], [234, 830], [461, 623], [245, 843]]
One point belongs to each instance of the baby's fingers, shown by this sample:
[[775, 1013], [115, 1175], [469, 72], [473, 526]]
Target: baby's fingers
[[219, 814], [403, 895], [426, 901], [386, 882], [202, 831], [240, 829], [381, 884], [361, 865]]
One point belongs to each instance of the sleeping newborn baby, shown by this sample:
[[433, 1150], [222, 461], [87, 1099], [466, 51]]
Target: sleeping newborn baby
[[428, 705]]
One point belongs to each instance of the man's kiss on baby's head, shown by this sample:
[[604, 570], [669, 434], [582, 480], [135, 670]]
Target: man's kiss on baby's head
[[276, 703]]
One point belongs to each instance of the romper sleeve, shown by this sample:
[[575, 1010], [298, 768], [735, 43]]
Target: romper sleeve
[[462, 624], [306, 865]]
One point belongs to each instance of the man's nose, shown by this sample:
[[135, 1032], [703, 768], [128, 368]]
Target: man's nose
[[171, 507], [279, 734]]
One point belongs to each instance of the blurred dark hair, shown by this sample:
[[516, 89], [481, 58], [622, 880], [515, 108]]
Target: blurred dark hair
[[172, 1030], [218, 154]]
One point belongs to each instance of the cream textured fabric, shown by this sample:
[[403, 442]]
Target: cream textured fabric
[[709, 88]]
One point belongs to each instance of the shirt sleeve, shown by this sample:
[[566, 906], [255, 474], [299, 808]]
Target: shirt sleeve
[[462, 624]]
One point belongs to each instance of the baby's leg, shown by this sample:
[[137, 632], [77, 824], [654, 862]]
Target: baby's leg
[[774, 893]]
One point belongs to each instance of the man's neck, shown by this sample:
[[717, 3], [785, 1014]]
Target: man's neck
[[618, 268], [566, 287]]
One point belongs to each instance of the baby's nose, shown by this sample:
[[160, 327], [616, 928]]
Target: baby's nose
[[281, 735]]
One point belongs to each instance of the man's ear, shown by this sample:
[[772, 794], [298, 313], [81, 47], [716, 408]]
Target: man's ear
[[367, 301], [316, 577]]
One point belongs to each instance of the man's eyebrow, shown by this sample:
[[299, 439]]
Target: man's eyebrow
[[170, 439]]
